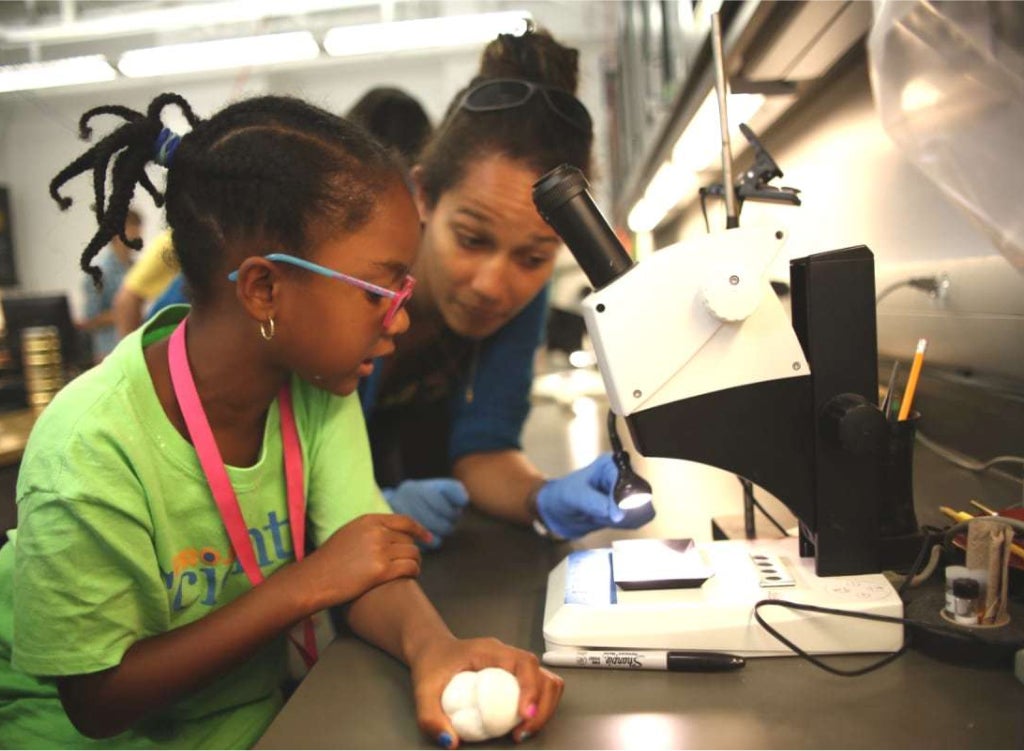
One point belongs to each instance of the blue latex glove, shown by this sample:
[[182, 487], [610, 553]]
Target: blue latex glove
[[581, 502], [436, 504]]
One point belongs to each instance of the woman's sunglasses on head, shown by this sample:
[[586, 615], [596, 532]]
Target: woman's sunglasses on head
[[398, 298], [509, 93]]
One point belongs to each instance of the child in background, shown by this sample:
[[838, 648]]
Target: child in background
[[147, 280], [395, 118], [160, 557], [99, 299]]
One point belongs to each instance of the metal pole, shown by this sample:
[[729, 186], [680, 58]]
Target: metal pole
[[732, 218], [722, 87]]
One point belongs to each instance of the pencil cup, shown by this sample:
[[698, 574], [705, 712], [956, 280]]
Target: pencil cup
[[896, 516]]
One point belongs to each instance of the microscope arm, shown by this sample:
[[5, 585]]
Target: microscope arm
[[694, 318]]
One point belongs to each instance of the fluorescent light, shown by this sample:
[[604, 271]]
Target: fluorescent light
[[697, 150], [66, 72], [219, 54], [670, 185], [699, 147], [185, 16], [424, 33]]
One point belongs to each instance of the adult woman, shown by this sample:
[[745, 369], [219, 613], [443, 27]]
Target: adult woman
[[454, 397]]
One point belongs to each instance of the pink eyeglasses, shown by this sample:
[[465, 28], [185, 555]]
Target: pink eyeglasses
[[398, 299]]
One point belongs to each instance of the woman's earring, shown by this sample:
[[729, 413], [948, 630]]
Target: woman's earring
[[267, 329]]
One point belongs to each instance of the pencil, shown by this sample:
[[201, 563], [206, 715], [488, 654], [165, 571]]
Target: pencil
[[887, 399], [915, 372], [963, 516], [983, 508]]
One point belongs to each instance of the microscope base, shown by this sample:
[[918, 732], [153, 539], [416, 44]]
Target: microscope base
[[584, 608]]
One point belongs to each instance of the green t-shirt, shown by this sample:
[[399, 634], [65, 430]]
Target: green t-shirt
[[119, 539]]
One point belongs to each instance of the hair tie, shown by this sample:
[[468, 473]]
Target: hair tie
[[166, 144]]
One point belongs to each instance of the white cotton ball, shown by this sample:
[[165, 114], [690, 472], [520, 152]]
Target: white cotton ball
[[469, 725], [497, 693], [483, 704], [460, 692]]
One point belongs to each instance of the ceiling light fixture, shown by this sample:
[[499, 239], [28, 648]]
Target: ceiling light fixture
[[424, 33], [194, 57], [65, 72], [183, 16]]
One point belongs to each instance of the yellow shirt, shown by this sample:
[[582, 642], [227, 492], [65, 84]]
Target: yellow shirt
[[154, 269]]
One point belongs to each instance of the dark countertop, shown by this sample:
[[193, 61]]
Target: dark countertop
[[489, 579]]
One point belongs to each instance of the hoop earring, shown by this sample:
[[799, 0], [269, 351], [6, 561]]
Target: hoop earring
[[267, 328]]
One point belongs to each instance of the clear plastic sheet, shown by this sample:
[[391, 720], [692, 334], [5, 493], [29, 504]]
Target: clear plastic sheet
[[948, 82]]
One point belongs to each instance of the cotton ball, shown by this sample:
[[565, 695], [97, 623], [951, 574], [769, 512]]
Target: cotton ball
[[482, 704]]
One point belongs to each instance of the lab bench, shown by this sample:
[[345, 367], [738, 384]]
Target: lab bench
[[489, 579]]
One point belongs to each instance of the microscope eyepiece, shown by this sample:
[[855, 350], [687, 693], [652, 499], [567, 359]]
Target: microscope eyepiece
[[558, 186], [563, 199]]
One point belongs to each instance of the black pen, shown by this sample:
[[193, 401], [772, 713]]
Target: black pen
[[644, 659]]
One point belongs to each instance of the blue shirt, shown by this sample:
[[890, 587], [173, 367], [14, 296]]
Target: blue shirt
[[173, 295], [489, 408], [100, 300]]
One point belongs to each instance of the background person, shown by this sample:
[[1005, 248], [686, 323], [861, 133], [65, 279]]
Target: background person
[[153, 271], [395, 118], [160, 554], [114, 263]]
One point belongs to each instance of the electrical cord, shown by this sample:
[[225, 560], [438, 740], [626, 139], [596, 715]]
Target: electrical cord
[[759, 507], [705, 192], [972, 465], [829, 611], [915, 574], [939, 628], [933, 285], [757, 504], [926, 573], [965, 462]]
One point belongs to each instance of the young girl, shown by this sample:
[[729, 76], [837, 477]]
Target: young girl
[[166, 497]]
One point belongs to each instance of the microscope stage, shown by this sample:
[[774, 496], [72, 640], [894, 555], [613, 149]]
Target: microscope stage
[[585, 608]]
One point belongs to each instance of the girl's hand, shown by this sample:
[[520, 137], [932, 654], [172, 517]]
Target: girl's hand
[[539, 690], [366, 552]]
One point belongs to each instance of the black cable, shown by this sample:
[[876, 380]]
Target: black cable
[[613, 433], [704, 209], [759, 507], [918, 563], [948, 535], [937, 627], [748, 492], [933, 285]]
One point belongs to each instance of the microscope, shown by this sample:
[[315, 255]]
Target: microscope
[[704, 363]]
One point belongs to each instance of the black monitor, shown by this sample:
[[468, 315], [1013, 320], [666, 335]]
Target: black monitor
[[24, 310]]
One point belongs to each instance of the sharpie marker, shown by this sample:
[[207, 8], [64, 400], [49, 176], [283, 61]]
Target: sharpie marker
[[644, 659]]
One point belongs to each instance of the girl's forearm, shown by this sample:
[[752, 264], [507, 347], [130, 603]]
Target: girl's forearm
[[398, 618], [162, 669]]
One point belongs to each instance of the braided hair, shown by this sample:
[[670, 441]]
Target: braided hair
[[530, 133], [271, 171]]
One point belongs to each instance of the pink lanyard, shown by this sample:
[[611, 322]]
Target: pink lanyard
[[220, 485]]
